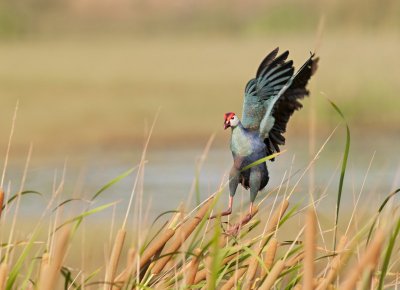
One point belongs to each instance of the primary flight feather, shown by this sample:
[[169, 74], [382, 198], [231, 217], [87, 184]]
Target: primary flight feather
[[269, 101]]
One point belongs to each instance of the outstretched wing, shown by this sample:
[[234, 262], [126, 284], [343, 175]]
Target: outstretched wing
[[273, 95], [262, 91], [287, 103]]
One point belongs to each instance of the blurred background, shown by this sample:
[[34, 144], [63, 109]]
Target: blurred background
[[90, 76]]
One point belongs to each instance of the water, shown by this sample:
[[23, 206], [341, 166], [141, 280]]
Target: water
[[169, 176]]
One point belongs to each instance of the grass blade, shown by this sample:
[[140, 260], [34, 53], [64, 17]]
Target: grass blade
[[388, 255], [379, 211], [343, 169], [85, 214], [68, 201], [112, 182], [20, 262], [262, 160], [12, 198]]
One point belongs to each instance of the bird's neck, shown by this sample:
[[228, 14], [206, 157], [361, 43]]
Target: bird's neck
[[239, 127]]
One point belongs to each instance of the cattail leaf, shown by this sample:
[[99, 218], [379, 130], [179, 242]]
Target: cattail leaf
[[379, 211], [68, 201], [262, 160], [12, 198], [388, 255], [30, 271], [85, 214], [342, 171], [20, 262], [67, 278], [112, 182], [295, 281], [254, 255]]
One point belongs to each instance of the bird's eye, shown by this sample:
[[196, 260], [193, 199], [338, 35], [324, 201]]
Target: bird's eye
[[232, 118]]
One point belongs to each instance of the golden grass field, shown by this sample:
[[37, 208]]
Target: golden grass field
[[88, 78], [87, 92]]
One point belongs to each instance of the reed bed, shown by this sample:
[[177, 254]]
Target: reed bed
[[198, 253], [191, 251]]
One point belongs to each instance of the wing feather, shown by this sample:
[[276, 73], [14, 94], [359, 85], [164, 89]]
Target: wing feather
[[272, 75], [290, 102], [273, 95]]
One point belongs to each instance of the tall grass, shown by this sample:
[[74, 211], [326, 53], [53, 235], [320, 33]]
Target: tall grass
[[190, 251]]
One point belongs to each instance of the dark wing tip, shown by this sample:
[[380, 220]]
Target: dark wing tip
[[314, 64], [267, 60]]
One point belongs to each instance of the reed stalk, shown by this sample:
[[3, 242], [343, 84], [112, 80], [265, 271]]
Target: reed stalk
[[193, 267], [114, 259], [335, 265], [44, 263], [123, 277], [1, 200], [253, 263], [269, 255], [156, 246], [233, 280], [309, 249], [209, 267], [201, 275], [3, 275], [273, 275], [368, 260], [181, 235], [295, 260], [48, 280], [276, 217]]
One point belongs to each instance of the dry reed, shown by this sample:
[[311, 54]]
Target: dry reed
[[3, 275], [1, 200], [124, 275], [368, 261], [182, 234], [156, 246], [269, 255], [209, 267], [295, 260], [114, 259], [276, 217], [253, 263], [44, 263], [193, 267], [335, 265], [49, 277], [201, 275], [273, 275], [233, 280], [309, 249]]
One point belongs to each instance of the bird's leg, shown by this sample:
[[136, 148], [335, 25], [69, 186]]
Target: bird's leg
[[229, 210], [255, 181], [248, 217], [226, 212], [233, 184]]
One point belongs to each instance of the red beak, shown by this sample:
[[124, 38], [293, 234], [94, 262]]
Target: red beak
[[226, 125]]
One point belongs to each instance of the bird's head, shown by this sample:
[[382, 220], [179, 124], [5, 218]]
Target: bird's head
[[231, 120]]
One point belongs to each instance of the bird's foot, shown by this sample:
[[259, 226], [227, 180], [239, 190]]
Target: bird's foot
[[234, 230], [224, 213], [246, 219]]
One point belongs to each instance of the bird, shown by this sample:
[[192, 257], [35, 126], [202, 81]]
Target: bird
[[270, 99]]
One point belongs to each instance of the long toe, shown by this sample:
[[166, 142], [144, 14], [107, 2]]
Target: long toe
[[246, 219], [224, 213]]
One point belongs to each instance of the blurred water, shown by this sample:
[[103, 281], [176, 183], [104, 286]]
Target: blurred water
[[169, 176]]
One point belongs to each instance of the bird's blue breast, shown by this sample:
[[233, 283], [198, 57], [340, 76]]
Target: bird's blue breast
[[246, 143]]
